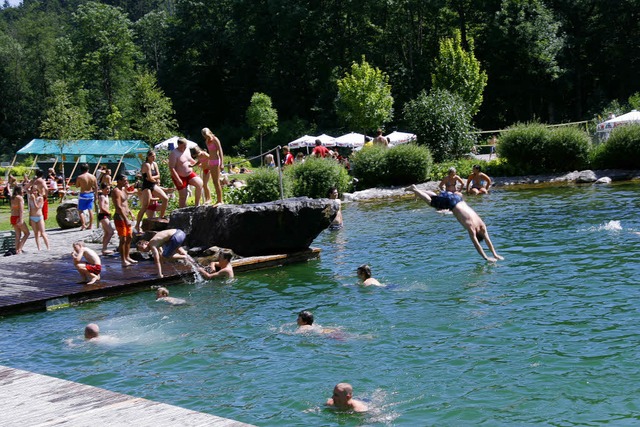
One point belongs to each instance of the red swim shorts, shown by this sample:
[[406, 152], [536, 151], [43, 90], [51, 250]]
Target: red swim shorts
[[94, 269], [185, 181]]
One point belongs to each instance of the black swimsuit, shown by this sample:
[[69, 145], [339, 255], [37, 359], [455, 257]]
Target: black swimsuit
[[146, 184]]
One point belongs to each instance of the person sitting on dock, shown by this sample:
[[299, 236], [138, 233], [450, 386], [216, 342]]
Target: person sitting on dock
[[162, 294], [364, 274], [91, 268], [220, 268], [342, 399], [466, 216], [170, 241], [91, 331]]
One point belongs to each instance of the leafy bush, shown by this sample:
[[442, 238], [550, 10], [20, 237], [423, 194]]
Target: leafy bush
[[162, 159], [534, 148], [234, 196], [408, 164], [568, 149], [621, 150], [369, 165], [315, 176], [463, 166], [263, 185], [442, 122], [379, 166]]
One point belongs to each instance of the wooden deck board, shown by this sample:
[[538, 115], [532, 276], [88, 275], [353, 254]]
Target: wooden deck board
[[30, 399], [28, 287]]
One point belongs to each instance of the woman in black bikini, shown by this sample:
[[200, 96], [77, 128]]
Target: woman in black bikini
[[150, 186]]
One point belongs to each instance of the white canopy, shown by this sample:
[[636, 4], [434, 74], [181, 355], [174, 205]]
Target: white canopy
[[327, 141], [302, 141], [607, 126], [350, 140], [396, 137], [173, 142]]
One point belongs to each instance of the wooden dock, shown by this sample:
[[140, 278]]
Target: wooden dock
[[52, 282], [29, 399]]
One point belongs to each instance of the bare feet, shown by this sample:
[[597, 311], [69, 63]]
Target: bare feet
[[107, 252], [412, 187], [131, 261], [94, 280], [126, 264]]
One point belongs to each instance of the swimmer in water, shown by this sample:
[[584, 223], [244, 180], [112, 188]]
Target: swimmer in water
[[466, 216], [91, 331], [342, 399], [364, 274], [162, 295]]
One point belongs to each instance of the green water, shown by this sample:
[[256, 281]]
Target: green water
[[549, 336]]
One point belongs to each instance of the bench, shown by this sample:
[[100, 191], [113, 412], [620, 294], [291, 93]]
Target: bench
[[7, 240]]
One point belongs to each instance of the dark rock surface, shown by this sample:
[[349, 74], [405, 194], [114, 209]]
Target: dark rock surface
[[256, 229]]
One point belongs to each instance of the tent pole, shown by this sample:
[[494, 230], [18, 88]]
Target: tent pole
[[97, 165], [34, 162], [118, 167], [10, 167], [54, 164], [64, 180]]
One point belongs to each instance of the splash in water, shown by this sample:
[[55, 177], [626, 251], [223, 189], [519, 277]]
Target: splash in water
[[613, 225]]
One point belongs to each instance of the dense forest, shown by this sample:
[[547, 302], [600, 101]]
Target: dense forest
[[145, 69]]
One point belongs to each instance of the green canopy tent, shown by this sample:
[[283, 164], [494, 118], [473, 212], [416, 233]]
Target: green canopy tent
[[127, 152]]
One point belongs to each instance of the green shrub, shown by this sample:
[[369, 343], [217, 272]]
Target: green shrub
[[234, 196], [534, 148], [621, 150], [315, 176], [263, 185], [442, 122], [369, 165], [523, 146], [408, 164], [568, 149], [162, 159], [463, 166]]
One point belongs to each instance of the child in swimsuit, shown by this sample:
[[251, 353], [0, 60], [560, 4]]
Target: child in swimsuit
[[37, 220], [17, 218]]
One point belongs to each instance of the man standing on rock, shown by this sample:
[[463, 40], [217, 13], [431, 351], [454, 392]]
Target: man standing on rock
[[121, 219], [180, 163], [88, 185]]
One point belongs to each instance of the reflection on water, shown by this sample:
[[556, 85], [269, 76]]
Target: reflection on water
[[547, 336]]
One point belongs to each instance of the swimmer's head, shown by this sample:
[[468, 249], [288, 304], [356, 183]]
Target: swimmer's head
[[364, 271], [342, 393], [305, 318], [162, 292], [225, 255], [91, 331]]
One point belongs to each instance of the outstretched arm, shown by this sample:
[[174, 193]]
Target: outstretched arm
[[157, 259], [490, 246], [476, 243]]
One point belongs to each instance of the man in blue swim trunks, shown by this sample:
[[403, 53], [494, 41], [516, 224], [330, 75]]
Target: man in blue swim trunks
[[88, 185], [169, 242], [466, 216]]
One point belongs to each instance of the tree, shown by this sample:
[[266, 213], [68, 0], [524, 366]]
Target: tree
[[103, 42], [63, 121], [458, 71], [152, 34], [152, 112], [261, 116], [364, 99], [442, 122]]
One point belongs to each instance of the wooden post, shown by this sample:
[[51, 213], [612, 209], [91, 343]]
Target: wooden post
[[118, 167], [97, 165], [64, 181]]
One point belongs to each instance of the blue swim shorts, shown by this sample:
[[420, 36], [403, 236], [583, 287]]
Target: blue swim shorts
[[174, 243], [85, 201]]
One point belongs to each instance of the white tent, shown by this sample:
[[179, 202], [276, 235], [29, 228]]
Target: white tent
[[350, 140], [327, 141], [607, 126], [302, 141], [173, 142], [396, 137]]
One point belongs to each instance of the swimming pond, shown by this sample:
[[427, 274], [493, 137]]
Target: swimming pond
[[549, 336]]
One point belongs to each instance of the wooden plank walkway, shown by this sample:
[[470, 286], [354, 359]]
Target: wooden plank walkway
[[29, 399], [30, 285]]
